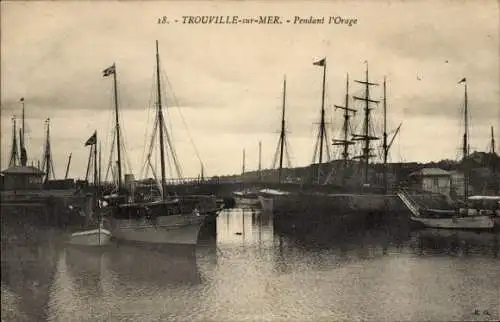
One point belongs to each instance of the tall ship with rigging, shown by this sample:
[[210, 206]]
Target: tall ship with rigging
[[351, 200], [163, 219]]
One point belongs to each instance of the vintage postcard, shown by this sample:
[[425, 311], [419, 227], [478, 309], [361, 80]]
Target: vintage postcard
[[250, 160]]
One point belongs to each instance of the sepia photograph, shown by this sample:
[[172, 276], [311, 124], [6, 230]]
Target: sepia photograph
[[227, 161]]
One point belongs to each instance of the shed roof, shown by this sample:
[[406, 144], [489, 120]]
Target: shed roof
[[23, 170], [430, 172]]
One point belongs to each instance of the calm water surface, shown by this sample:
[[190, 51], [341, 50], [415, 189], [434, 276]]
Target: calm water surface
[[251, 273]]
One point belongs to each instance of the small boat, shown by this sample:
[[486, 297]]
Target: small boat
[[467, 216], [446, 218], [266, 198], [93, 237], [246, 198], [483, 205]]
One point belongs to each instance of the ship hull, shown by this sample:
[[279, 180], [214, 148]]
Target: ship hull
[[243, 202], [467, 222], [329, 214], [173, 229], [94, 237], [266, 203]]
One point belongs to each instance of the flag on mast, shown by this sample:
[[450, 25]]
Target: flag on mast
[[463, 80], [92, 140], [109, 71], [321, 62]]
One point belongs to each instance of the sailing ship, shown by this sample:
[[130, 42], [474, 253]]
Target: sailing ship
[[99, 236], [267, 196], [348, 204], [246, 198], [169, 219], [465, 217]]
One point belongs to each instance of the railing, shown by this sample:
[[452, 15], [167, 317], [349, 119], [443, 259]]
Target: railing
[[409, 202], [187, 181]]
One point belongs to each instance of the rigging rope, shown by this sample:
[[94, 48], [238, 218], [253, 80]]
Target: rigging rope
[[176, 103]]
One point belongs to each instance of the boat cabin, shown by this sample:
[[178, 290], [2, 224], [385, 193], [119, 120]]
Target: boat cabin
[[484, 202], [22, 178]]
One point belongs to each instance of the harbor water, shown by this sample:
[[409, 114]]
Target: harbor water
[[249, 271]]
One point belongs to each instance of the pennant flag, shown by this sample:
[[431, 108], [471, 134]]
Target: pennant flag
[[462, 81], [320, 62], [108, 71], [92, 140]]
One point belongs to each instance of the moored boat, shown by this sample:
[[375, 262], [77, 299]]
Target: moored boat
[[167, 219], [246, 198], [266, 198], [483, 205], [93, 237], [446, 217], [353, 203], [170, 221]]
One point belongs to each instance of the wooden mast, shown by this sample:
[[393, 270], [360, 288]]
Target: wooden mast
[[282, 135], [260, 160], [465, 147], [67, 166], [96, 180], [23, 157], [99, 176], [160, 121], [492, 144], [322, 130], [118, 145], [384, 144], [243, 163], [493, 159], [366, 127], [14, 157], [345, 142]]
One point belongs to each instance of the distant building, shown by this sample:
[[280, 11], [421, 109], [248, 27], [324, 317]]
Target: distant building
[[434, 180], [22, 178]]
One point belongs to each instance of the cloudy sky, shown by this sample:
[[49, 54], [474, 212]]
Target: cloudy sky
[[226, 80]]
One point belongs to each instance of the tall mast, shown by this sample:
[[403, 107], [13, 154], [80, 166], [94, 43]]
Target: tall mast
[[465, 147], [345, 142], [282, 135], [492, 146], [493, 158], [260, 160], [322, 131], [384, 144], [14, 157], [322, 124], [47, 164], [243, 163], [23, 158], [96, 180], [22, 118], [99, 176], [160, 122], [67, 167], [366, 126], [118, 145]]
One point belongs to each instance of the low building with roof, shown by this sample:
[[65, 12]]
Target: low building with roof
[[22, 178], [434, 180]]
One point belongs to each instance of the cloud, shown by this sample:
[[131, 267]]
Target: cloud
[[227, 80]]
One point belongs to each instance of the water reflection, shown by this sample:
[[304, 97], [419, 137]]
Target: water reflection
[[250, 271]]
